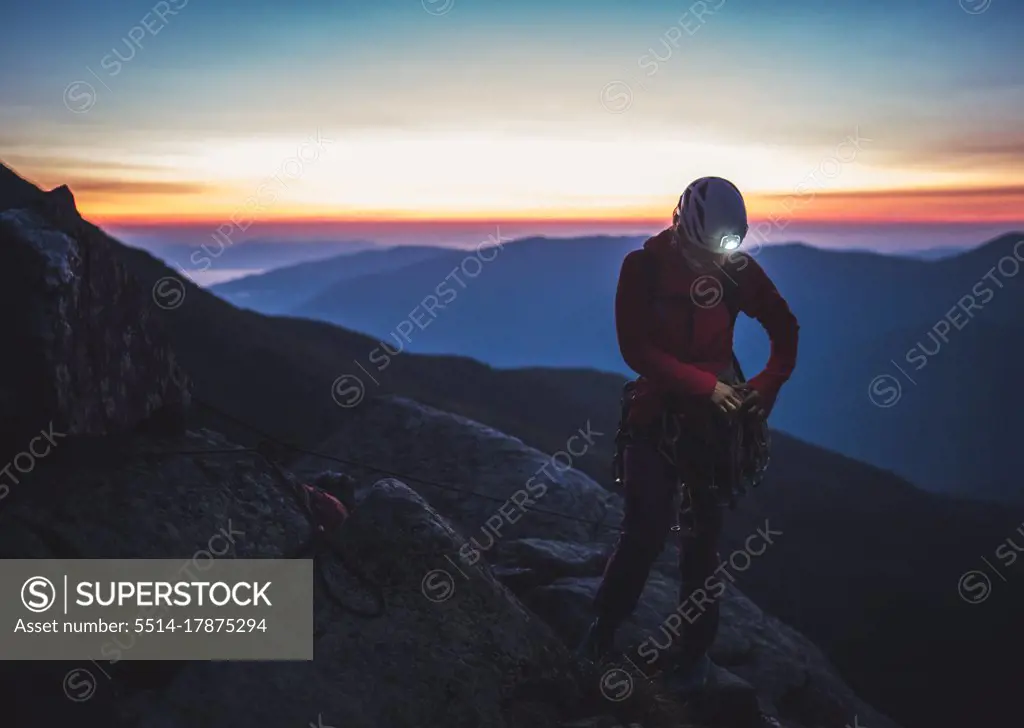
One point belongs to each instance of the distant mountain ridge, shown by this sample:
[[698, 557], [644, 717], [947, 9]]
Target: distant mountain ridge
[[284, 289], [251, 254], [935, 253], [870, 324]]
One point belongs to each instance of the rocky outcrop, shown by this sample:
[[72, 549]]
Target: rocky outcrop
[[83, 352], [456, 645], [794, 681], [17, 192], [448, 454], [459, 653], [554, 564]]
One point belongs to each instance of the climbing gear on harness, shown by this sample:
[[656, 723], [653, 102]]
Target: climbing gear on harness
[[623, 435], [726, 454]]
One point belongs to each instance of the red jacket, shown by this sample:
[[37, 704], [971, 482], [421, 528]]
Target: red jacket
[[653, 334]]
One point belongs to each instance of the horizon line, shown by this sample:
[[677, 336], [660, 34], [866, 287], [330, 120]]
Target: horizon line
[[660, 222]]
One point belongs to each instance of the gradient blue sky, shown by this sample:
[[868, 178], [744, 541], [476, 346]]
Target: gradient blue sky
[[523, 110]]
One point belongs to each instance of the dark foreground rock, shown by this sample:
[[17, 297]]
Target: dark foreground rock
[[455, 646], [83, 352], [554, 564], [453, 649]]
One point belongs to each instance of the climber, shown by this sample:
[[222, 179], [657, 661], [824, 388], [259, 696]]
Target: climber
[[675, 311]]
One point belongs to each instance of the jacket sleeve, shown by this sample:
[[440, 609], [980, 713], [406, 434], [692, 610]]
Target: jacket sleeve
[[761, 300], [634, 322]]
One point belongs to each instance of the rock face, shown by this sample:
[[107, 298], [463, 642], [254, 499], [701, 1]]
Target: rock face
[[81, 349], [458, 653], [554, 564], [456, 646], [521, 487]]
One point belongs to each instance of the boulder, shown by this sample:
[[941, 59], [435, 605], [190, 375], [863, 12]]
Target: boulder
[[84, 355], [554, 564], [792, 679], [453, 648], [552, 559], [463, 456], [728, 701]]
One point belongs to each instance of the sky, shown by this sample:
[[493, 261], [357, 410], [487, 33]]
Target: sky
[[438, 120]]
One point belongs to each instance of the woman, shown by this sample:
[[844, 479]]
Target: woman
[[675, 310]]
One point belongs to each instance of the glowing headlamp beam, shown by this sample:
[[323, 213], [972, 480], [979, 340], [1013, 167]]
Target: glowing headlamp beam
[[731, 242]]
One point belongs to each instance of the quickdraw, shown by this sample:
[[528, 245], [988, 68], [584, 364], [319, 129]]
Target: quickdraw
[[623, 435], [743, 445]]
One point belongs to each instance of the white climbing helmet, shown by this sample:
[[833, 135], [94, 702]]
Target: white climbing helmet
[[711, 214]]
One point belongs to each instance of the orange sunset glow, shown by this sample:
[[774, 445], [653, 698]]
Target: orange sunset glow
[[367, 117]]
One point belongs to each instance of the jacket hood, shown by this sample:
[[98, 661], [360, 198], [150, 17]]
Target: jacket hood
[[661, 245], [666, 253]]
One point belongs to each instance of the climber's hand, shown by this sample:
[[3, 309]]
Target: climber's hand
[[726, 399], [752, 403]]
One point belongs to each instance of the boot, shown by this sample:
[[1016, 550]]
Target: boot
[[691, 675], [598, 641]]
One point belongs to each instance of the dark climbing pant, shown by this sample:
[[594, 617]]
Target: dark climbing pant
[[650, 491]]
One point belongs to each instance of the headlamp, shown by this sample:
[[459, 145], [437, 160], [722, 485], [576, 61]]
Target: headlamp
[[730, 242]]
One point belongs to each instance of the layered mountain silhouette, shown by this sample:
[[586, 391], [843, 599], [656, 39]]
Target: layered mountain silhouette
[[903, 361], [935, 253], [868, 566], [290, 286], [237, 252]]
